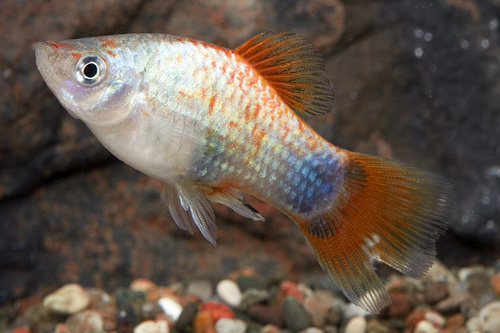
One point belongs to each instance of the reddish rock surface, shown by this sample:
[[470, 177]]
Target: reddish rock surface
[[418, 83]]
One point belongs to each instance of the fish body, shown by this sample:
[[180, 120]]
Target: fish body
[[212, 123]]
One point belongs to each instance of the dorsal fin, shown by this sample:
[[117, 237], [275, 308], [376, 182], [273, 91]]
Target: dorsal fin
[[290, 63]]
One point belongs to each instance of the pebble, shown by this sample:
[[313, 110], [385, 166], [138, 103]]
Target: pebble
[[351, 310], [290, 289], [452, 303], [217, 310], [473, 324], [229, 292], [295, 317], [375, 326], [87, 321], [435, 319], [144, 285], [400, 306], [266, 315], [68, 299], [228, 325], [150, 326], [187, 316], [425, 326], [319, 305], [356, 324], [495, 282], [455, 322], [414, 318], [436, 291], [489, 317], [203, 322], [60, 328], [171, 307], [201, 289], [270, 329], [249, 282], [312, 330], [253, 296]]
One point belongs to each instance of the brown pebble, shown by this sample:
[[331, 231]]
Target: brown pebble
[[203, 323], [436, 291], [266, 315], [495, 282], [456, 321], [142, 285], [452, 303], [414, 318], [400, 306]]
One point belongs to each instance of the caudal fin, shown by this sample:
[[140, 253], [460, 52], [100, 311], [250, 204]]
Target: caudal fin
[[385, 211]]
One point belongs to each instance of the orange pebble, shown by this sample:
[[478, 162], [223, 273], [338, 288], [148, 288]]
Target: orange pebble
[[217, 310], [203, 322]]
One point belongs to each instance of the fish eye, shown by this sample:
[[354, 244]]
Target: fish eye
[[90, 69]]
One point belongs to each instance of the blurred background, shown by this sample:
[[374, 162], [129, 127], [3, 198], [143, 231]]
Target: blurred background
[[415, 81]]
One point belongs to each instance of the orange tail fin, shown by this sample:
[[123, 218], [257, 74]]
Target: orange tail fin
[[385, 211]]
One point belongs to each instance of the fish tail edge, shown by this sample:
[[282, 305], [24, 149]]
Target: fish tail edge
[[384, 211]]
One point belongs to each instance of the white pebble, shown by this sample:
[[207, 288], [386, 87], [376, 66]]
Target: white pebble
[[352, 310], [229, 292], [68, 299], [356, 325], [150, 326], [425, 326], [489, 317], [86, 321], [228, 325], [170, 307]]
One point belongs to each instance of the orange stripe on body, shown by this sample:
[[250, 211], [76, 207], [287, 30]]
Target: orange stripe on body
[[211, 105]]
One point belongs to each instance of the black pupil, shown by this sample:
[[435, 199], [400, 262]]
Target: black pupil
[[90, 70]]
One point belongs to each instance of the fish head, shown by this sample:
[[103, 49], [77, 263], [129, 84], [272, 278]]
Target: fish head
[[93, 78]]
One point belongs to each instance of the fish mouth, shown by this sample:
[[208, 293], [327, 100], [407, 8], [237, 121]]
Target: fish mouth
[[51, 62]]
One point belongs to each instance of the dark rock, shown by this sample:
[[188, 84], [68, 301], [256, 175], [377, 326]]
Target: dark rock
[[266, 315], [295, 317], [254, 296], [246, 282], [436, 291], [185, 320]]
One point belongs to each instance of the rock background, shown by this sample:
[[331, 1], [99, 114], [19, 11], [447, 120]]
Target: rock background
[[417, 81]]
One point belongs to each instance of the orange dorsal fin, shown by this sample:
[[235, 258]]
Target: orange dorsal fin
[[290, 63]]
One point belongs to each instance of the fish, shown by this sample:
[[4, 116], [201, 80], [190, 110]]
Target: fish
[[214, 124]]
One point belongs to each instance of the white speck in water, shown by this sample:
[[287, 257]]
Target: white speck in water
[[419, 52], [353, 95], [419, 33], [428, 36], [7, 73], [465, 219], [485, 200], [433, 69], [485, 43], [490, 224], [464, 43], [493, 24]]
